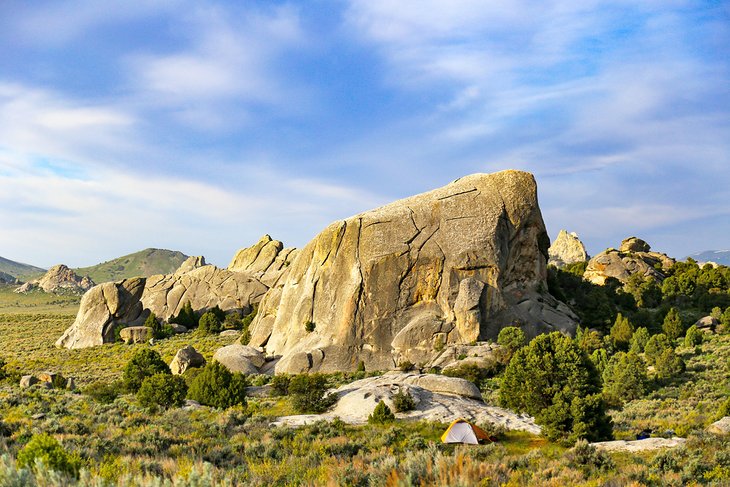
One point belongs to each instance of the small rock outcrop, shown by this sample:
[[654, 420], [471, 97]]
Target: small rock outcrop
[[130, 301], [59, 280], [647, 444], [452, 265], [708, 324], [633, 257], [720, 427], [436, 398], [567, 249], [186, 358]]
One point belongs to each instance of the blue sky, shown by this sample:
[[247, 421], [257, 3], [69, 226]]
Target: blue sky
[[200, 125]]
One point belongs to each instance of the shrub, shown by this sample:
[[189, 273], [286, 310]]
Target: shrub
[[309, 326], [639, 340], [216, 386], [668, 364], [360, 366], [693, 336], [144, 363], [186, 317], [512, 338], [621, 332], [162, 390], [473, 372], [624, 379], [584, 454], [309, 393], [3, 373], [103, 392], [47, 449], [209, 324], [381, 414], [655, 347], [672, 325], [553, 380], [406, 365], [403, 401], [280, 385]]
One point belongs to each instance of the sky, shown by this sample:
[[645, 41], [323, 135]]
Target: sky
[[201, 125]]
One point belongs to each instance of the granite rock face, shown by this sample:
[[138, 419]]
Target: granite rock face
[[449, 266], [59, 280], [567, 249], [633, 257], [185, 358], [129, 302]]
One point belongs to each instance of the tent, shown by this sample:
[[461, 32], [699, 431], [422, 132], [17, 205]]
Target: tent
[[462, 431]]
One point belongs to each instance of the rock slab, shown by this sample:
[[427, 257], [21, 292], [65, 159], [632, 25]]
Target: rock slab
[[186, 358]]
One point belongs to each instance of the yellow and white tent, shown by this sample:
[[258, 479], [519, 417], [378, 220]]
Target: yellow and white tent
[[462, 431]]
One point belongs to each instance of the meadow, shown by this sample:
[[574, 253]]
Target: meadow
[[122, 443]]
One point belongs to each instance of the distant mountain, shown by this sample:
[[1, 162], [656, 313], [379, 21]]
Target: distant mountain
[[144, 263], [717, 256], [17, 269]]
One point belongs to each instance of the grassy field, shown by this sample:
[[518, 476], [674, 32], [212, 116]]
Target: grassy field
[[122, 443], [146, 262]]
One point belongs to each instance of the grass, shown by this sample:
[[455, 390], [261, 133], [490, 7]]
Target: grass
[[146, 262]]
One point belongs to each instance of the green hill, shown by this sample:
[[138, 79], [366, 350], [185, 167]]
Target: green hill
[[18, 269], [144, 263]]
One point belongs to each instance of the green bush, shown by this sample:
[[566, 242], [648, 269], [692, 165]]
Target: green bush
[[583, 454], [47, 449], [209, 324], [309, 393], [554, 381], [103, 392], [216, 386], [672, 325], [473, 372], [280, 385], [655, 347], [186, 317], [309, 326], [381, 414], [512, 338], [403, 401], [621, 332], [624, 379], [144, 363], [668, 365], [158, 329], [639, 340], [162, 390], [693, 336]]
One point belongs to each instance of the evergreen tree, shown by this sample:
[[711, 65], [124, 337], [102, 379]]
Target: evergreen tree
[[144, 363], [624, 378], [693, 336], [553, 380], [672, 325], [655, 347], [621, 332], [639, 340], [186, 317], [218, 387], [668, 365], [163, 390]]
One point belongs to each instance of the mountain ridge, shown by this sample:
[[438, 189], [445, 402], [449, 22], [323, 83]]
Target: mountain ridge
[[144, 263]]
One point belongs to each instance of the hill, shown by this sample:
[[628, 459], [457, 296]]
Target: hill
[[144, 263], [18, 269], [717, 256]]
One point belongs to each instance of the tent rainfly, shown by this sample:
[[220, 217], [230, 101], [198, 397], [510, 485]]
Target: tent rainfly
[[462, 431]]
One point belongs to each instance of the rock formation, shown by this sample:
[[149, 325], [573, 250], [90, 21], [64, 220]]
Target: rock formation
[[7, 278], [59, 280], [567, 249], [453, 265], [129, 302], [185, 358], [437, 398], [633, 257]]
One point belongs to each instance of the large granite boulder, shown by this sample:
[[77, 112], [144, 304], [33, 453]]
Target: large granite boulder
[[567, 249], [130, 301], [185, 358], [240, 358], [633, 257], [721, 426], [59, 280], [396, 283]]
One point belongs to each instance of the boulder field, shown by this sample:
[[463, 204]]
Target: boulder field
[[398, 283]]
